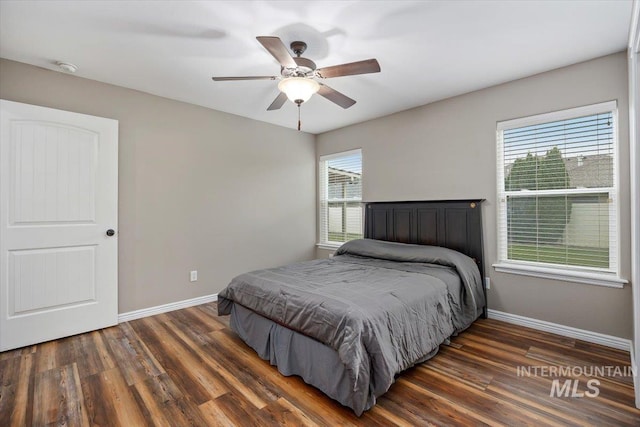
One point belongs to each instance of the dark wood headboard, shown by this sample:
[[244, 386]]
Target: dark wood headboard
[[454, 224]]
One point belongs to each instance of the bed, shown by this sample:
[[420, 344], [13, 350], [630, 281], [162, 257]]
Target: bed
[[350, 324]]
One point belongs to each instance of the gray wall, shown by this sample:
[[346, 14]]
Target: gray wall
[[198, 189], [446, 150]]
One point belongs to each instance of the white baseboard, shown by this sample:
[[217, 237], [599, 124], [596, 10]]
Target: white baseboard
[[555, 328], [566, 331], [145, 312]]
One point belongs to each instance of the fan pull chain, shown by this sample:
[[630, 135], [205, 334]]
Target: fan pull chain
[[299, 116]]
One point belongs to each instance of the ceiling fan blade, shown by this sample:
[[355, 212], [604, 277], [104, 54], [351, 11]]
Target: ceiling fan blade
[[350, 69], [223, 79], [278, 102], [334, 96], [279, 51]]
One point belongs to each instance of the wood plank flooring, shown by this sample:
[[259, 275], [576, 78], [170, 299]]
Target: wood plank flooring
[[187, 368]]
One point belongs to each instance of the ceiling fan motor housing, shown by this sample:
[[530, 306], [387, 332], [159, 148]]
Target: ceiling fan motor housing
[[305, 66]]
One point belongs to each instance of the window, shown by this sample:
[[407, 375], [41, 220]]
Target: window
[[340, 197], [557, 192]]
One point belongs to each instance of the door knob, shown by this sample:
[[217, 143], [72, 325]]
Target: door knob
[[110, 232]]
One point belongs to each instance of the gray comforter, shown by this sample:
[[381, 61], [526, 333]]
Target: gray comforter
[[382, 306]]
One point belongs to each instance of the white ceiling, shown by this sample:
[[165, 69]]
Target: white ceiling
[[428, 50]]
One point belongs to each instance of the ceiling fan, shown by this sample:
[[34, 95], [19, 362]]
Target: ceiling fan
[[298, 75]]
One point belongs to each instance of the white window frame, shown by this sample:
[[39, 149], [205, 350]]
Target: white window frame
[[323, 234], [594, 276]]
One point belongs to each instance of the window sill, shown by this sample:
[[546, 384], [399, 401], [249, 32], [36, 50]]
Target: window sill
[[328, 246], [599, 279]]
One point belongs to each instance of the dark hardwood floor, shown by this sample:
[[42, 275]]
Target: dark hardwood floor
[[188, 368]]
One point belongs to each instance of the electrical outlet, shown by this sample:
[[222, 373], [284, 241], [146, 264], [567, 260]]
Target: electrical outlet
[[487, 280], [194, 276]]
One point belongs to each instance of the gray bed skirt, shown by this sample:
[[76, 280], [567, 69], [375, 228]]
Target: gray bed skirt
[[296, 354]]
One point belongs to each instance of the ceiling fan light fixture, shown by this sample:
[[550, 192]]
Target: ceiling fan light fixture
[[298, 89]]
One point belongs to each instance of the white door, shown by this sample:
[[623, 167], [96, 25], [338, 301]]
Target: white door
[[58, 198]]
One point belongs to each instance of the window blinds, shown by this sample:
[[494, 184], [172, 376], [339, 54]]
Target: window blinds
[[557, 191], [341, 197]]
